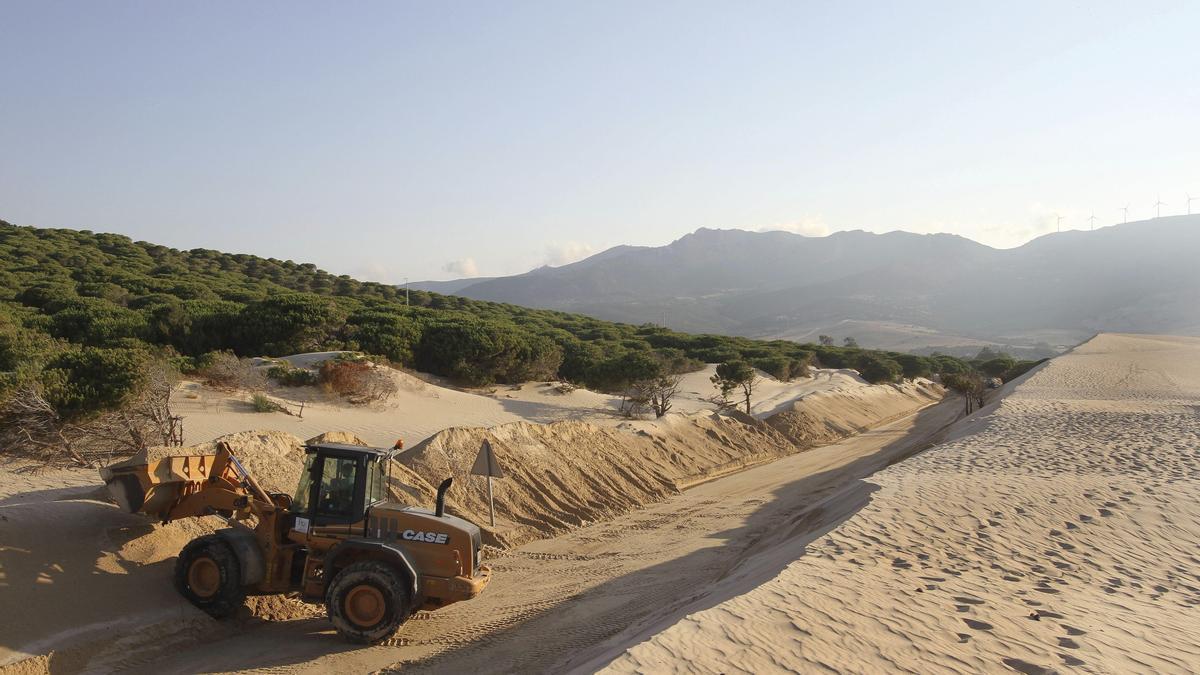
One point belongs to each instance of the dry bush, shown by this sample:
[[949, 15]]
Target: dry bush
[[30, 427], [227, 371], [359, 382]]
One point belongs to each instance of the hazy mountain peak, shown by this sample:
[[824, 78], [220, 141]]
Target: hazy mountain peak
[[1059, 287]]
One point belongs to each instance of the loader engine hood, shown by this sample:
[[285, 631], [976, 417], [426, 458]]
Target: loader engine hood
[[412, 525]]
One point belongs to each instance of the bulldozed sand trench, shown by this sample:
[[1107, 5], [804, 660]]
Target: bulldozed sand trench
[[103, 571]]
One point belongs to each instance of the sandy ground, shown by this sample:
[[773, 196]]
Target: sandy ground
[[1059, 532], [553, 601]]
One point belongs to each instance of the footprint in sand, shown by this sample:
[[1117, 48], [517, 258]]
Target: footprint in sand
[[1027, 667], [1071, 660], [1068, 643]]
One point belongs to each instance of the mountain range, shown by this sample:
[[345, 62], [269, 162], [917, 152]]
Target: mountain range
[[896, 290]]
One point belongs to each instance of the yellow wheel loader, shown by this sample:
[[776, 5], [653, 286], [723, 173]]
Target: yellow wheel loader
[[338, 541]]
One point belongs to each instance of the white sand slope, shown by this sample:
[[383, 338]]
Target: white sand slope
[[1063, 534]]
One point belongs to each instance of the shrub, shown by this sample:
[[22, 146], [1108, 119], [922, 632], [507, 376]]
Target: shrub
[[913, 366], [262, 404], [483, 352], [1020, 368], [226, 371], [293, 377], [358, 381], [782, 368], [997, 367], [289, 324], [876, 369], [385, 333], [91, 379]]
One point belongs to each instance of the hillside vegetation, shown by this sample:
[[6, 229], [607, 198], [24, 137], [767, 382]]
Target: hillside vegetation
[[82, 313]]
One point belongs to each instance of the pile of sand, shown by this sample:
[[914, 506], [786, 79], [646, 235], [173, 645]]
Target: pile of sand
[[565, 475], [274, 458], [826, 416]]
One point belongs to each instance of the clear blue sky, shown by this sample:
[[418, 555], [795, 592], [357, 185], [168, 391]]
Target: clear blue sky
[[393, 139]]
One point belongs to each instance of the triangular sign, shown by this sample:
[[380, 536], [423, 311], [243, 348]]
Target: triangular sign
[[486, 463]]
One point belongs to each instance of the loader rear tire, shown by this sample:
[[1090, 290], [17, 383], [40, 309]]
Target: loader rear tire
[[209, 575], [367, 602]]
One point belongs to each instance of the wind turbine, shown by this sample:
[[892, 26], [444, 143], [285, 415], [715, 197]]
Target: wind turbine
[[1126, 210], [1190, 200], [1092, 220], [1059, 221], [1158, 207]]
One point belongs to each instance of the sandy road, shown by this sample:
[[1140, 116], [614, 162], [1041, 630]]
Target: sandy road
[[557, 604]]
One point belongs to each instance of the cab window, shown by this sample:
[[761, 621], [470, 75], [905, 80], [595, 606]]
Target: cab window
[[300, 503], [336, 496], [376, 482]]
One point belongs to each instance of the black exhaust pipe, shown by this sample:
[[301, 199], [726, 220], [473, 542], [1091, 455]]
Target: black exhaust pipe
[[441, 496]]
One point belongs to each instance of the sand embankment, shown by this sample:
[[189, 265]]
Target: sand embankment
[[1061, 535], [826, 416], [565, 475]]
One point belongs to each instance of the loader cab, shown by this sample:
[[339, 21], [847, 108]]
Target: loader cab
[[340, 482]]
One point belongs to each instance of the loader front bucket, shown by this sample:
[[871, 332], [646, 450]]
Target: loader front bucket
[[153, 487]]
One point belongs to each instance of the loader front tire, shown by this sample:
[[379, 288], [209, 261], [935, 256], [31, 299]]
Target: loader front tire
[[367, 602], [209, 575]]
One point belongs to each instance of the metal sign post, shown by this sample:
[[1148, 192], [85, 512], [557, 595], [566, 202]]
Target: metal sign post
[[486, 465]]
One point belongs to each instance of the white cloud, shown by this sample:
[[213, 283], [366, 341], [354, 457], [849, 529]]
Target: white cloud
[[376, 271], [465, 267], [809, 226], [563, 254]]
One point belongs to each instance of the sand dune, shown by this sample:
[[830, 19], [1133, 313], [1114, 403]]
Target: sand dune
[[1062, 534]]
